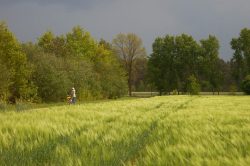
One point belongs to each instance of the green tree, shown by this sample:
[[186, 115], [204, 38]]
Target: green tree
[[210, 53], [52, 44], [240, 63], [173, 60], [50, 78], [187, 59], [46, 42], [246, 85], [112, 75], [76, 60], [155, 73], [193, 86], [139, 77], [79, 43], [5, 81], [13, 58]]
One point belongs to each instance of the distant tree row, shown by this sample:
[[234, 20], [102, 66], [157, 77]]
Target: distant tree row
[[179, 62], [240, 62], [177, 59], [45, 70]]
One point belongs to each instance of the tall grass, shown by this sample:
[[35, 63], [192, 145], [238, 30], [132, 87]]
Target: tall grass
[[173, 130]]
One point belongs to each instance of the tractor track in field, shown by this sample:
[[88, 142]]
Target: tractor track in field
[[42, 153], [143, 137]]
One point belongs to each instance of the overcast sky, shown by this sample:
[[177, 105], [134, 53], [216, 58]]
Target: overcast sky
[[28, 19]]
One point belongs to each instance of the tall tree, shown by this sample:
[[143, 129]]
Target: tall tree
[[129, 47], [5, 81], [210, 51], [187, 59], [111, 73], [173, 60], [46, 41], [79, 43], [155, 72], [240, 62], [139, 77], [14, 60]]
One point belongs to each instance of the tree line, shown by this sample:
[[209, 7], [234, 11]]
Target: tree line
[[179, 63], [178, 59], [45, 70]]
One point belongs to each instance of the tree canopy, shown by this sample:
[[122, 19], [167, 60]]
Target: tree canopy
[[46, 70], [129, 48], [176, 58]]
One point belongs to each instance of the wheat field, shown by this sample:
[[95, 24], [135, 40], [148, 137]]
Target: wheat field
[[168, 130]]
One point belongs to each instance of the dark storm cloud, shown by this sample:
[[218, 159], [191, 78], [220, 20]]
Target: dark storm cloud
[[64, 2], [147, 18], [71, 4]]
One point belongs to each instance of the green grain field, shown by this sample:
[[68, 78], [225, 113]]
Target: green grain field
[[170, 130]]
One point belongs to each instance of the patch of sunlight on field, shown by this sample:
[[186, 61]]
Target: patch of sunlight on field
[[169, 130]]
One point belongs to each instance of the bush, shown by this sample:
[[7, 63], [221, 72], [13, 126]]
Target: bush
[[52, 81], [3, 106], [193, 86], [246, 85], [232, 89], [60, 62], [175, 92]]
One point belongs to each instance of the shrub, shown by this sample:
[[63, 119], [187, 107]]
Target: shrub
[[51, 80], [232, 89], [175, 92], [193, 86], [3, 106], [246, 85]]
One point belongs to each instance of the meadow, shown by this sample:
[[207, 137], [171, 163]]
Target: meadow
[[168, 130]]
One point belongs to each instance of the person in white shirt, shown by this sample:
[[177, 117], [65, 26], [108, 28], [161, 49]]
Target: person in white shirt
[[73, 95]]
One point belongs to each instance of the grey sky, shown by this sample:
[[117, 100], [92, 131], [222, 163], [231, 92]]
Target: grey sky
[[28, 19]]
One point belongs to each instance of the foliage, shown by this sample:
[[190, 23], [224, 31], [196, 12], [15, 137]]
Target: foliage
[[46, 42], [210, 52], [5, 81], [80, 43], [173, 60], [60, 62], [176, 58], [193, 86], [240, 62], [129, 48], [13, 62], [150, 131], [175, 92], [46, 70], [155, 68], [52, 82], [233, 89], [111, 74], [140, 75], [246, 85]]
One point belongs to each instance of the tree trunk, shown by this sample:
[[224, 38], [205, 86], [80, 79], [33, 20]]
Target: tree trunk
[[129, 88], [129, 80], [160, 92], [151, 90]]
